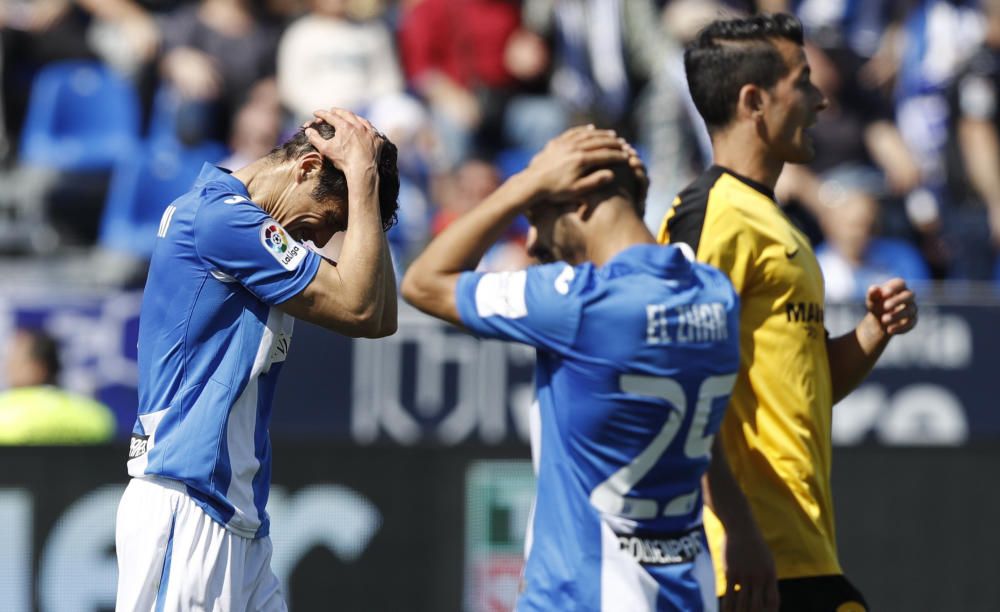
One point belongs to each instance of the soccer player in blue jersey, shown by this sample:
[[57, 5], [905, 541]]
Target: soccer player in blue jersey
[[637, 354], [228, 276]]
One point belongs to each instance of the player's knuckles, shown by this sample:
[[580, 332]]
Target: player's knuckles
[[328, 116], [576, 159]]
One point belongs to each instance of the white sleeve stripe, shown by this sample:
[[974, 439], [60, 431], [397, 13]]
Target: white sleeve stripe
[[502, 293], [168, 214]]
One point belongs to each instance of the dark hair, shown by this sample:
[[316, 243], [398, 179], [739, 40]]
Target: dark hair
[[44, 350], [625, 183], [728, 54], [626, 179], [333, 183]]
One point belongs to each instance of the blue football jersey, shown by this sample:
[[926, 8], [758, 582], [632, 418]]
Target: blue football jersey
[[211, 345], [636, 361]]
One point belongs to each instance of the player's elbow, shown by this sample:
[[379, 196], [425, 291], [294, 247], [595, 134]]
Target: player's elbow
[[432, 294], [413, 289], [365, 321], [386, 325], [385, 328]]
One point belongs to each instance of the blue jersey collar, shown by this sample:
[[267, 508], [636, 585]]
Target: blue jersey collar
[[663, 261], [214, 174]]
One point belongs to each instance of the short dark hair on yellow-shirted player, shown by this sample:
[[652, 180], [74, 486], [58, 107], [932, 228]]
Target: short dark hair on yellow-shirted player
[[726, 55]]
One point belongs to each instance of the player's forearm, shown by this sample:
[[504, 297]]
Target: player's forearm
[[430, 281], [980, 149], [390, 306], [890, 153], [113, 10], [853, 355], [723, 494], [364, 256]]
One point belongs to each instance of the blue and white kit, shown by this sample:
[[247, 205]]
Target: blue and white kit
[[636, 361], [211, 346]]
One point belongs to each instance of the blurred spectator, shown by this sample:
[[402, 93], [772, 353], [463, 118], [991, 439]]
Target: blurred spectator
[[853, 257], [461, 190], [327, 58], [937, 37], [284, 11], [36, 32], [404, 121], [746, 7], [216, 51], [856, 129], [974, 169], [256, 129], [406, 118], [35, 410], [603, 54], [671, 131], [470, 61], [124, 34], [857, 25]]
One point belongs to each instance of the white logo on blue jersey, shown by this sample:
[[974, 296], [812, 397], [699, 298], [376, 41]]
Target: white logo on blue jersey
[[564, 279], [502, 293], [280, 245]]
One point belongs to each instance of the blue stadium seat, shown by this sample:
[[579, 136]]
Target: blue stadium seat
[[163, 116], [82, 116], [141, 188]]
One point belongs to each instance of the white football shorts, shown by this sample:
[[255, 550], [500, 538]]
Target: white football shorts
[[174, 557]]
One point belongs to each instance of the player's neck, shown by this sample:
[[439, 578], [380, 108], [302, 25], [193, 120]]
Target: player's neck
[[263, 181], [614, 231], [746, 155]]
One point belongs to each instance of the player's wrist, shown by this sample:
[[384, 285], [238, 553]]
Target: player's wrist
[[363, 183], [524, 191]]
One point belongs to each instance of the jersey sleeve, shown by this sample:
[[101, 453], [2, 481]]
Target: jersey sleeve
[[540, 306], [234, 237]]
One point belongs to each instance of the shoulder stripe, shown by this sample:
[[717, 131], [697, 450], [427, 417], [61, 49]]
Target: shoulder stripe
[[686, 220], [663, 236]]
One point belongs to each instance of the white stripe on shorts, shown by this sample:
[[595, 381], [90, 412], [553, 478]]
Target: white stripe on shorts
[[210, 569]]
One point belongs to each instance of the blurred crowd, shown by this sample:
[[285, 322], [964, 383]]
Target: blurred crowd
[[109, 108]]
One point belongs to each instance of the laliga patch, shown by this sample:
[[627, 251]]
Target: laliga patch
[[281, 246]]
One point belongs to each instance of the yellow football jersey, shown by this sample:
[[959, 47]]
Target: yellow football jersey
[[776, 432]]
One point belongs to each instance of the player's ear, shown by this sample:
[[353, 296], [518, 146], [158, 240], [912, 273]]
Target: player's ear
[[586, 205], [750, 102], [308, 166]]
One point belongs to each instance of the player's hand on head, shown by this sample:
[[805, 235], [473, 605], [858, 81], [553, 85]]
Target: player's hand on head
[[894, 306], [354, 147], [639, 170], [574, 163], [752, 581]]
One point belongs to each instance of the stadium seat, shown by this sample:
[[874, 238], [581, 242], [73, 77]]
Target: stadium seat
[[81, 116], [163, 116], [141, 188]]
